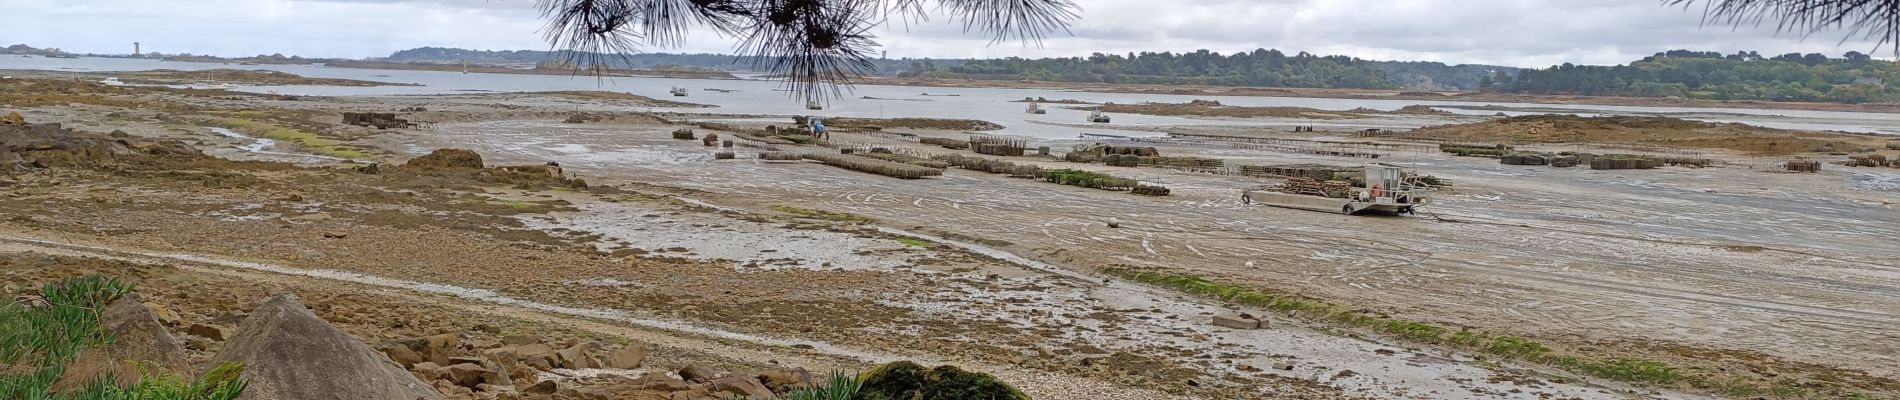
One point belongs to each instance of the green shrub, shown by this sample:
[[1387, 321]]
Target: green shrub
[[904, 380]]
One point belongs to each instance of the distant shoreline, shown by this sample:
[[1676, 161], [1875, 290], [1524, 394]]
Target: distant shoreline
[[1380, 94], [1181, 90]]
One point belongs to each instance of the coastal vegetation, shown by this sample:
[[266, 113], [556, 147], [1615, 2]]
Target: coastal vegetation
[[1852, 78]]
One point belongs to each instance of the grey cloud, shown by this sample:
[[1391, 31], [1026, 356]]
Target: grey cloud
[[1509, 32]]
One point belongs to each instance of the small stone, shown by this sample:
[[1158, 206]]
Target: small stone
[[335, 234], [428, 371], [467, 375], [402, 354], [165, 315], [1236, 322], [660, 382], [538, 356], [521, 340], [1283, 366], [466, 360], [626, 358], [199, 344], [697, 374], [743, 386], [543, 387], [781, 380], [212, 332], [312, 217], [575, 358]]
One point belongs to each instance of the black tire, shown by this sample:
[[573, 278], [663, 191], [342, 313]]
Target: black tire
[[1346, 210], [1245, 200]]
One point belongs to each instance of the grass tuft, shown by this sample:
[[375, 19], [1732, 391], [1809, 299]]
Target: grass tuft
[[42, 332], [836, 386]]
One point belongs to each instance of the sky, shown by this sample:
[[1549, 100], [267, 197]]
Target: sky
[[1521, 33]]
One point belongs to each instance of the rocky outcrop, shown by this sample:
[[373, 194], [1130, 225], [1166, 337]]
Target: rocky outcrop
[[448, 159], [27, 146], [140, 339], [288, 353]]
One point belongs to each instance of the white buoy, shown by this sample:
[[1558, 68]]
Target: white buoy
[[1250, 264], [1114, 222]]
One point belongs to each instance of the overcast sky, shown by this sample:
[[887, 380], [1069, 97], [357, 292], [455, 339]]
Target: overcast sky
[[1525, 33]]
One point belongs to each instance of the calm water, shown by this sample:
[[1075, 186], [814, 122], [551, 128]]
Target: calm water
[[760, 97]]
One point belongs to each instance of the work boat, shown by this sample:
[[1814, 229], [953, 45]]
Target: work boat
[[679, 91], [1384, 189]]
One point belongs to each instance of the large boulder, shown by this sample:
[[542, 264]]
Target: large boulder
[[449, 159], [907, 380], [289, 354], [139, 340]]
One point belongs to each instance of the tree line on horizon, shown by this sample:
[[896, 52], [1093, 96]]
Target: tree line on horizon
[[1263, 67], [1854, 77]]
